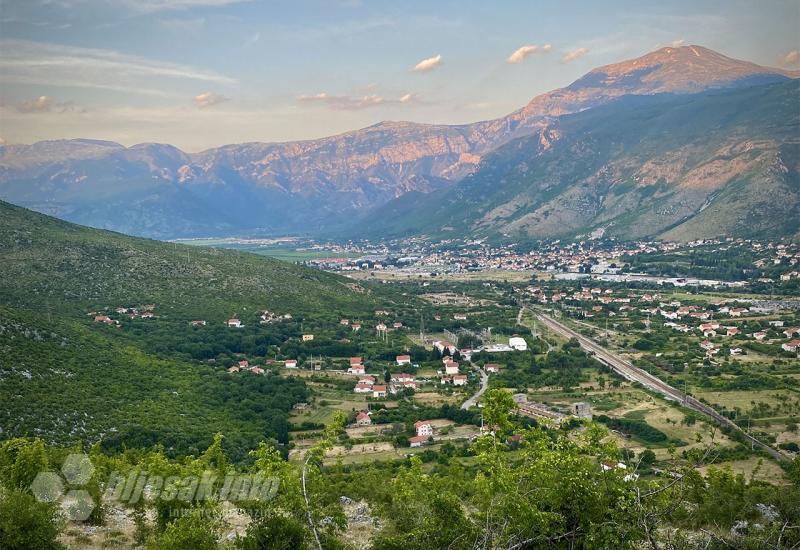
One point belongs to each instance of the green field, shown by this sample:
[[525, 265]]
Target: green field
[[285, 253]]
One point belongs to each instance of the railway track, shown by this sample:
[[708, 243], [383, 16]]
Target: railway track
[[653, 383]]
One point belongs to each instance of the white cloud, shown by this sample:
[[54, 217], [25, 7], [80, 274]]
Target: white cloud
[[209, 99], [521, 53], [428, 64], [39, 105], [356, 102], [791, 58], [41, 63], [343, 102], [678, 43], [574, 54]]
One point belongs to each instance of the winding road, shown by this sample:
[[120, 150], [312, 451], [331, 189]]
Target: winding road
[[653, 383], [484, 384]]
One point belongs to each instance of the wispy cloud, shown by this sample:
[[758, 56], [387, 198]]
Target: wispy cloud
[[356, 103], [209, 99], [428, 64], [574, 54], [40, 104], [173, 5], [521, 53], [29, 62], [343, 102], [791, 59]]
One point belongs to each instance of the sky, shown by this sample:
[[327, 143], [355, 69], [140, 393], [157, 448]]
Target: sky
[[204, 73]]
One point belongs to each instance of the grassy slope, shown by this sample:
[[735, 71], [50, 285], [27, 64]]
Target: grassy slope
[[53, 265], [66, 378]]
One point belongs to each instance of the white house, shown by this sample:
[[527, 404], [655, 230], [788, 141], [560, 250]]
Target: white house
[[424, 427], [403, 360]]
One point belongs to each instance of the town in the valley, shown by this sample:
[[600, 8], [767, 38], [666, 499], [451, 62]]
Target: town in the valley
[[675, 347]]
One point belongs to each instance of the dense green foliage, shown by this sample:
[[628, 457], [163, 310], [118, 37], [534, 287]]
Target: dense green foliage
[[64, 377], [548, 490]]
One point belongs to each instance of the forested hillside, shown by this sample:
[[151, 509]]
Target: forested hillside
[[138, 380]]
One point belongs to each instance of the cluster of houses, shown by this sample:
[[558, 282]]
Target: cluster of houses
[[712, 329], [143, 312], [268, 317], [367, 384], [674, 313], [244, 365], [450, 373], [380, 327]]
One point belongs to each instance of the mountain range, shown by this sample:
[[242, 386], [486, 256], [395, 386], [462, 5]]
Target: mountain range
[[578, 159]]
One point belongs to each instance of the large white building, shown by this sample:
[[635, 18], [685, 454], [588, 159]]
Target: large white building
[[519, 344]]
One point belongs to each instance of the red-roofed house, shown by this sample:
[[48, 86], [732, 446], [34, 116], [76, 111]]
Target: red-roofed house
[[418, 440], [363, 419], [403, 360], [791, 346], [424, 428]]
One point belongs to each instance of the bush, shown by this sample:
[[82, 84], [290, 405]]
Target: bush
[[189, 531], [27, 523], [273, 533], [639, 428]]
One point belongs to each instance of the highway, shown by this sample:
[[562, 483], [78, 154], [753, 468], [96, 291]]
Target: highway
[[653, 383]]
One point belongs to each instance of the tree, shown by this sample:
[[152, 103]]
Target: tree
[[26, 523], [497, 405], [189, 531], [21, 460], [648, 457], [273, 533]]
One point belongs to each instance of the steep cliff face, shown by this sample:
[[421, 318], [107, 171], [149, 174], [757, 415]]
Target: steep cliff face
[[157, 190]]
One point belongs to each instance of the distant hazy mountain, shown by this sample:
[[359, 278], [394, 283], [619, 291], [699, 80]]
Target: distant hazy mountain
[[157, 190], [720, 163]]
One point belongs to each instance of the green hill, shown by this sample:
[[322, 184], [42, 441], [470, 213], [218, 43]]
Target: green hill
[[65, 377], [53, 265]]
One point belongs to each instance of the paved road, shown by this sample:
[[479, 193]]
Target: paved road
[[484, 384], [635, 374]]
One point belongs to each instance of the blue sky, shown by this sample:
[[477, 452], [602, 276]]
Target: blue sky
[[201, 73]]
